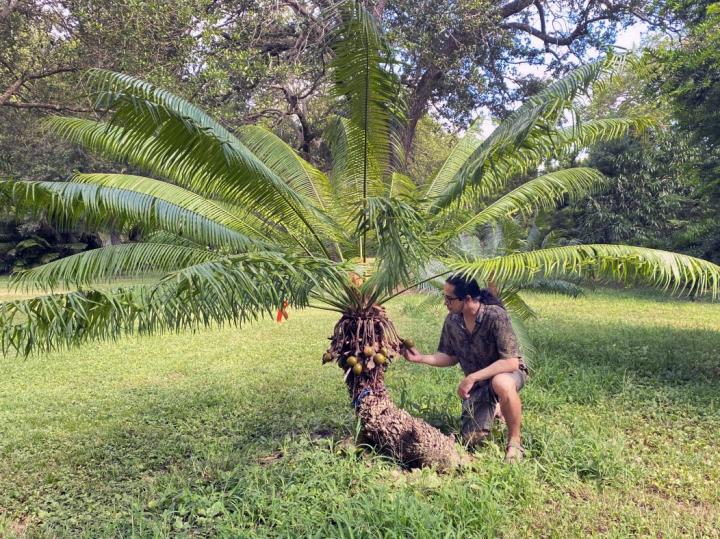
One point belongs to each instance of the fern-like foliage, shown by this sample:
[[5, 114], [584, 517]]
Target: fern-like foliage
[[609, 263], [236, 223]]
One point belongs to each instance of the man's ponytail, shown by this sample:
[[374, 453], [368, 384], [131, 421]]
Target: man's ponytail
[[469, 287]]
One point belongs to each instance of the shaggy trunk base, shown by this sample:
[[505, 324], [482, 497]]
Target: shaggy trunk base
[[363, 344], [410, 440]]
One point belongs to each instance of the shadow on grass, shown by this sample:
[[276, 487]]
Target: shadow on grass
[[586, 362]]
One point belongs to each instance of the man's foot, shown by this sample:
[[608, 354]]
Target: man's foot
[[514, 452]]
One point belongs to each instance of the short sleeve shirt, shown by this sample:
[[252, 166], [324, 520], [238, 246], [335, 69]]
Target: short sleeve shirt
[[493, 338]]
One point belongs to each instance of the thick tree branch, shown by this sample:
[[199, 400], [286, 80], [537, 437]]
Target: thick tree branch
[[47, 106], [10, 91], [15, 86], [266, 113], [49, 73], [513, 8], [541, 15], [553, 39], [298, 8]]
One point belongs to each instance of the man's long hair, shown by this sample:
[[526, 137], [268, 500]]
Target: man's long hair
[[469, 287]]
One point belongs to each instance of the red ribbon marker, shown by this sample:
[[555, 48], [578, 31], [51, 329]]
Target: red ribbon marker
[[282, 312]]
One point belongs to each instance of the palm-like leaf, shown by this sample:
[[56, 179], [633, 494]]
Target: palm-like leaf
[[527, 347], [233, 289], [244, 222], [402, 249], [353, 176], [544, 192], [172, 138], [516, 305], [401, 186], [369, 93], [618, 263], [133, 204], [300, 175], [459, 154], [241, 222], [555, 286], [108, 263], [540, 114], [546, 143]]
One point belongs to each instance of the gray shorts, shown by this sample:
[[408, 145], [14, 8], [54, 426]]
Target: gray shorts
[[478, 411]]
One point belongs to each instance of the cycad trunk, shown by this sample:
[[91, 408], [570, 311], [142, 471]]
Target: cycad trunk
[[370, 337]]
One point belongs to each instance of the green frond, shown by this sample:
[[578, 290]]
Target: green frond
[[401, 246], [284, 161], [107, 263], [172, 138], [401, 186], [169, 238], [454, 162], [68, 202], [246, 223], [527, 347], [545, 192], [516, 305], [617, 263], [577, 137], [368, 91], [352, 177], [235, 289], [544, 143], [541, 112]]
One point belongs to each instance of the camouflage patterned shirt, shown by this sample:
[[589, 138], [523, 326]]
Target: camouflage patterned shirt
[[493, 338]]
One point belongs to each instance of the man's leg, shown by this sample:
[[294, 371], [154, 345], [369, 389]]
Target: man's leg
[[477, 418], [506, 388]]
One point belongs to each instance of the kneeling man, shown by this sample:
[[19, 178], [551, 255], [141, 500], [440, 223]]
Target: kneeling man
[[478, 335]]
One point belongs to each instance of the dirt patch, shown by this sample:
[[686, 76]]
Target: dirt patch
[[19, 527]]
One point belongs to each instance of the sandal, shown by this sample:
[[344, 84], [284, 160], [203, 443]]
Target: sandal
[[517, 456]]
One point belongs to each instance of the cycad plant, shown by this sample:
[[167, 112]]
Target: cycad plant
[[238, 223]]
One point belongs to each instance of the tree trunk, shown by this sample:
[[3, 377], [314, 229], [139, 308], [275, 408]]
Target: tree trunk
[[369, 337], [418, 105]]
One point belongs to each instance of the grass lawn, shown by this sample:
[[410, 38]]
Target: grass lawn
[[242, 433]]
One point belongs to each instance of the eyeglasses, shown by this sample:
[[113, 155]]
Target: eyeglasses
[[448, 299]]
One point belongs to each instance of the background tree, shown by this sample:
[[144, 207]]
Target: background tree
[[456, 57], [265, 60], [687, 77], [665, 188], [45, 47], [47, 44]]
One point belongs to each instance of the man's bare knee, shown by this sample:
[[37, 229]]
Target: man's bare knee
[[504, 386]]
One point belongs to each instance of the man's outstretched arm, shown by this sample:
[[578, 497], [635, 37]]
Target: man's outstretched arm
[[438, 359]]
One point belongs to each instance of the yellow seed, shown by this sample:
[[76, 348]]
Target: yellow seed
[[327, 357], [409, 343], [368, 351], [351, 361], [357, 369], [379, 359]]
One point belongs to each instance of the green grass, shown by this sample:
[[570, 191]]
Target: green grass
[[242, 433]]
